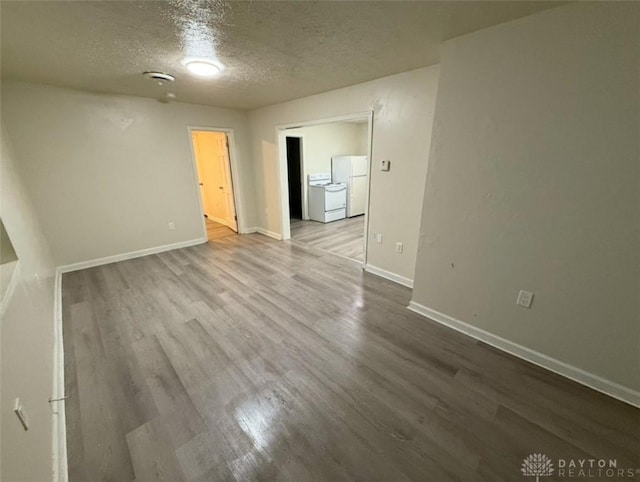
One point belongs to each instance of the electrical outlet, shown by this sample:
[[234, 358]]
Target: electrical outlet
[[525, 298], [399, 247], [378, 237], [21, 414], [172, 226]]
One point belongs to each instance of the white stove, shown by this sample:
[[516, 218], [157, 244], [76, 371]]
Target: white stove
[[327, 200]]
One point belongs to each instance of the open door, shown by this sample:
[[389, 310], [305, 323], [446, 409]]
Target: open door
[[201, 151], [226, 186], [211, 150]]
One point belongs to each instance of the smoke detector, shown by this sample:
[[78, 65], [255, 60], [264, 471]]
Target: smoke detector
[[159, 77]]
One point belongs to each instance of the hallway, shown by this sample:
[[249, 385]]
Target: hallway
[[217, 231]]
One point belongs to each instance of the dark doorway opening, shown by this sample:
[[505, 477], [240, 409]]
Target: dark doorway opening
[[294, 170]]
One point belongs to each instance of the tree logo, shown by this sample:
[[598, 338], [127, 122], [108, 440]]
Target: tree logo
[[537, 465]]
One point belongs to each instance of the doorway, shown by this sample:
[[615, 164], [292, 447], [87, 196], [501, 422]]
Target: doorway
[[313, 156], [294, 171], [215, 182]]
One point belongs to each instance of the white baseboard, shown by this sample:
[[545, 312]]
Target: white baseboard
[[271, 234], [389, 275], [59, 442], [264, 232], [132, 254], [576, 374]]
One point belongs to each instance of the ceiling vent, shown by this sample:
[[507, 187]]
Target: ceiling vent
[[159, 77]]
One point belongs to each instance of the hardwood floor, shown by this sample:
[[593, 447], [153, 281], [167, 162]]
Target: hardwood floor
[[344, 237], [248, 358], [216, 230]]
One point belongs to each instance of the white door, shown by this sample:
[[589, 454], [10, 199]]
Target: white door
[[229, 217], [205, 173], [357, 196], [214, 175]]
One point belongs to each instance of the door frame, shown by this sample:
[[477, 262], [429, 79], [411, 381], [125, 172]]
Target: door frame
[[281, 147], [233, 166]]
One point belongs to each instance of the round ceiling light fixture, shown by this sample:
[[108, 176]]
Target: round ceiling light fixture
[[202, 68]]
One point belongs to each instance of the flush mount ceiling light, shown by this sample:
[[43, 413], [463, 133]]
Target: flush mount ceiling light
[[159, 77], [202, 68]]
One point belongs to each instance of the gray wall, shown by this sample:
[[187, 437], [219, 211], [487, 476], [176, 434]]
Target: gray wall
[[533, 184], [26, 335], [108, 172]]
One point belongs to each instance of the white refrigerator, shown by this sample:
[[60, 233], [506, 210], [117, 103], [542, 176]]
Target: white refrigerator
[[352, 170]]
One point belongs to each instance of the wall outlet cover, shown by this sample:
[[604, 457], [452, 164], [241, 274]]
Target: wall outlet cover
[[525, 298]]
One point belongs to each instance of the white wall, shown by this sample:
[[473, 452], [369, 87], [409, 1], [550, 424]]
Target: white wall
[[107, 173], [363, 136], [534, 184], [322, 142], [403, 112], [26, 335]]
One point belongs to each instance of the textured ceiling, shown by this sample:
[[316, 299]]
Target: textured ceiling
[[273, 51]]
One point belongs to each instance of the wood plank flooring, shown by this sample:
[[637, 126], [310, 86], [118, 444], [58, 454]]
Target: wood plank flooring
[[216, 230], [248, 359], [344, 237]]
